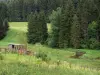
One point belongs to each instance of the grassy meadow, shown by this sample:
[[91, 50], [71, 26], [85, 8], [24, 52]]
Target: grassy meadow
[[14, 64]]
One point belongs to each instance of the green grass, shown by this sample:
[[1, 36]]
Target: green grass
[[15, 29], [14, 64], [20, 26]]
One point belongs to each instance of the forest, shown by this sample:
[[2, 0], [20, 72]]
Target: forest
[[75, 23], [62, 33]]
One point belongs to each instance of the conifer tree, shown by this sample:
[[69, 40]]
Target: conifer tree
[[62, 31], [6, 24], [83, 13], [97, 4], [3, 21], [33, 28], [75, 32], [66, 23], [37, 28], [42, 27], [55, 19]]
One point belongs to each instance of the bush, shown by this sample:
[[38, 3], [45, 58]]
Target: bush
[[84, 44], [79, 53], [43, 56], [52, 43], [92, 30], [94, 44], [1, 56]]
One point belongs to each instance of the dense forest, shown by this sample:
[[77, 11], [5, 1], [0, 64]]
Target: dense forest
[[74, 23]]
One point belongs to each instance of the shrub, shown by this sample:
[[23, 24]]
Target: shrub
[[43, 56], [92, 30], [79, 53], [55, 19], [94, 44], [84, 44], [1, 56], [51, 43]]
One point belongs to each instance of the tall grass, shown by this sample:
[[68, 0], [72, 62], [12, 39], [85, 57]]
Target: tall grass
[[22, 66], [60, 63]]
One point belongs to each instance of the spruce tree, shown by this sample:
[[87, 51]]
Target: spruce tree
[[66, 23], [98, 29], [75, 32], [83, 14], [33, 28], [37, 28], [97, 4], [55, 19], [42, 27], [6, 24], [62, 31], [3, 21]]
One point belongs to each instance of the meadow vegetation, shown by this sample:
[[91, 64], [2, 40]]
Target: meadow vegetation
[[49, 61], [49, 37]]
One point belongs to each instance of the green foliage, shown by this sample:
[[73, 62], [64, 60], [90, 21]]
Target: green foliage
[[63, 32], [84, 44], [98, 28], [61, 21], [61, 36], [94, 44], [66, 23], [43, 56], [33, 26], [16, 10], [75, 32], [83, 13], [37, 28], [55, 19], [1, 56], [6, 25], [43, 34], [3, 20], [20, 9], [19, 68], [24, 66], [92, 30]]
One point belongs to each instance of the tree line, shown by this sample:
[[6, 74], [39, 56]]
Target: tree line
[[3, 20], [74, 23], [20, 9]]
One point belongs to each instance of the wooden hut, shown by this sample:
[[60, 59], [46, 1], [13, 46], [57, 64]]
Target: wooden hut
[[16, 47]]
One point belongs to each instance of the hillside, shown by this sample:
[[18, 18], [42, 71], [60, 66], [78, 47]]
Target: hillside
[[29, 65], [49, 37], [14, 33]]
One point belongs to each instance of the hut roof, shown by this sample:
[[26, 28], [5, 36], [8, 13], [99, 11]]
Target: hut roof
[[15, 44]]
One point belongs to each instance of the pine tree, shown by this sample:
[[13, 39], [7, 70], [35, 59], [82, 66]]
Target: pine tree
[[75, 32], [66, 23], [33, 30], [62, 31], [98, 29], [42, 27], [37, 28], [83, 14], [55, 19], [6, 24], [3, 21], [97, 4]]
